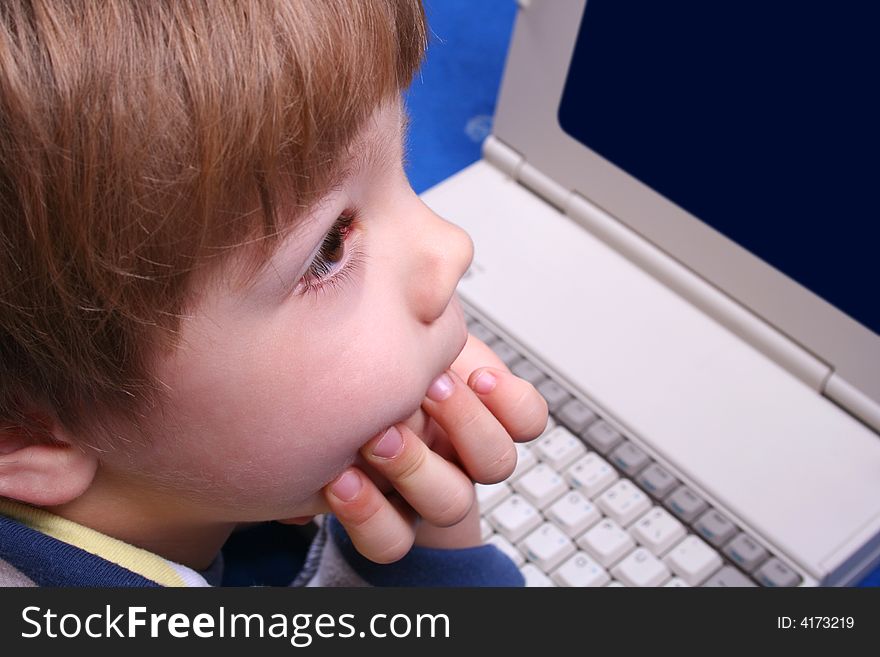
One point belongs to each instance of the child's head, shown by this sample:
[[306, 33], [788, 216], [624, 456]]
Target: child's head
[[215, 280]]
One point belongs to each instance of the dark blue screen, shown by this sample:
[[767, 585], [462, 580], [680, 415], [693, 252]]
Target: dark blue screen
[[758, 117]]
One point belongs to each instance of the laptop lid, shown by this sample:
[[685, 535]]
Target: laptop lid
[[739, 140]]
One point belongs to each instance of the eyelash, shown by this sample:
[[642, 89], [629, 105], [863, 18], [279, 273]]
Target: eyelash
[[320, 276]]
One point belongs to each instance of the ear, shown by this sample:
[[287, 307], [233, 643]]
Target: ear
[[43, 470]]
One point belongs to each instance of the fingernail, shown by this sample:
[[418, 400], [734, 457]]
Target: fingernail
[[484, 383], [441, 388], [346, 486], [389, 445]]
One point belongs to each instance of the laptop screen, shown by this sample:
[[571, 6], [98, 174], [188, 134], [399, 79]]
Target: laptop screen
[[759, 118]]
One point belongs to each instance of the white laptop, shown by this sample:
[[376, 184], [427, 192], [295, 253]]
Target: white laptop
[[671, 240]]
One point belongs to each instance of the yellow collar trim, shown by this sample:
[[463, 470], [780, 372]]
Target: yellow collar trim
[[135, 559]]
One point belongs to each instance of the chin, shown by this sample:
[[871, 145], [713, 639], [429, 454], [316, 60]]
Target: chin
[[314, 505], [458, 334]]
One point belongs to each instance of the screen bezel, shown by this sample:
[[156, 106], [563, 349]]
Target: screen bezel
[[527, 120]]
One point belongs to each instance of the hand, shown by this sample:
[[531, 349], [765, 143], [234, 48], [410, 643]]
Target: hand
[[471, 426]]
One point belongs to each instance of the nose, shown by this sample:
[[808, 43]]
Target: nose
[[444, 253]]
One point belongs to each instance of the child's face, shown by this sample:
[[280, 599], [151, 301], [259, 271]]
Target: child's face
[[273, 391]]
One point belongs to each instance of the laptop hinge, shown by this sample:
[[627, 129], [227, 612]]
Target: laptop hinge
[[502, 156], [853, 400], [699, 292], [513, 164], [644, 254]]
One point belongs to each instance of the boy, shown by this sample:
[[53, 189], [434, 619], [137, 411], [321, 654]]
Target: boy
[[221, 303]]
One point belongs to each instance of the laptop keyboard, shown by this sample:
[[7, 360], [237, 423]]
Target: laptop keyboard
[[585, 506]]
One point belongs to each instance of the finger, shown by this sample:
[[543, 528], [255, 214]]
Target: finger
[[381, 530], [474, 355], [514, 401], [435, 488], [481, 442], [463, 534]]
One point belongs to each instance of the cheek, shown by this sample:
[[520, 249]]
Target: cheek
[[335, 394], [274, 412], [358, 386]]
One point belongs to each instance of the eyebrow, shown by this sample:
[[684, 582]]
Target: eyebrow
[[366, 153], [377, 152]]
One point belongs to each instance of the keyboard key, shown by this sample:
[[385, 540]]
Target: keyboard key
[[505, 352], [601, 436], [541, 485], [623, 502], [614, 584], [554, 394], [591, 474], [776, 573], [676, 583], [657, 530], [547, 546], [657, 481], [488, 495], [525, 461], [576, 416], [580, 570], [514, 518], [744, 551], [559, 448], [573, 513], [629, 458], [507, 548], [607, 542], [479, 331], [641, 568], [534, 577], [728, 577], [686, 504], [715, 528], [525, 369], [693, 560], [485, 529]]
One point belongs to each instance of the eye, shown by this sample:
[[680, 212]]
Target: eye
[[332, 248], [329, 264]]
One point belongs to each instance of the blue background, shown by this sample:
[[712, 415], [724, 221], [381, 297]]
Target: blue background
[[452, 99]]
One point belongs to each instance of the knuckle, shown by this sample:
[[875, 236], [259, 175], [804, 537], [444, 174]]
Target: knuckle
[[358, 515], [530, 413], [394, 551], [456, 508], [409, 463], [500, 468], [471, 421]]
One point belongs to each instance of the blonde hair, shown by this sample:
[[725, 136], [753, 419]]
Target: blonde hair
[[140, 141]]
